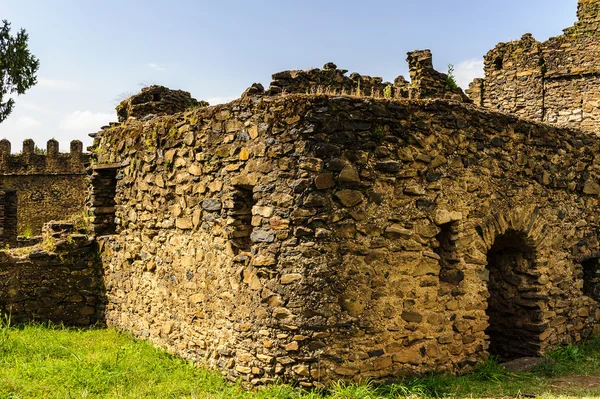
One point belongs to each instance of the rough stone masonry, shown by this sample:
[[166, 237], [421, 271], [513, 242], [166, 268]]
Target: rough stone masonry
[[50, 185], [557, 81], [318, 237], [352, 235]]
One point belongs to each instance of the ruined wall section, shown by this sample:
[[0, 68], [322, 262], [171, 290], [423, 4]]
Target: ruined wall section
[[312, 238], [514, 78], [557, 81], [59, 280], [50, 185], [154, 101], [572, 78], [426, 82]]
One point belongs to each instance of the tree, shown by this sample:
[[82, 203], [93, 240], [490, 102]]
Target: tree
[[17, 67]]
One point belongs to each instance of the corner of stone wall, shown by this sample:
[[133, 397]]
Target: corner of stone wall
[[475, 91], [426, 82]]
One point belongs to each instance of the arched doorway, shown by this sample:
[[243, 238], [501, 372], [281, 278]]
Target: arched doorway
[[514, 304]]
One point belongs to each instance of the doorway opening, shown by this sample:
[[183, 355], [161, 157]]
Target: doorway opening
[[514, 308]]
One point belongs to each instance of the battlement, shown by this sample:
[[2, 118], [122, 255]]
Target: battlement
[[35, 161]]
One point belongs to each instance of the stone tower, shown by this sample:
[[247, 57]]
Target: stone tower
[[588, 11], [556, 81]]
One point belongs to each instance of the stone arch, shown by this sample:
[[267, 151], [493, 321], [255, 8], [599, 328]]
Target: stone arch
[[516, 302]]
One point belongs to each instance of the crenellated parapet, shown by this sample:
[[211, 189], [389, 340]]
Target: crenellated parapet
[[33, 160]]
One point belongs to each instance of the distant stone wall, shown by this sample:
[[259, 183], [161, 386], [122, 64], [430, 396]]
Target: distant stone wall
[[59, 280], [315, 238], [50, 185], [557, 81]]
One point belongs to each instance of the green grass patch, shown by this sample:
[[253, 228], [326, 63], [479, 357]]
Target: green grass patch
[[40, 361]]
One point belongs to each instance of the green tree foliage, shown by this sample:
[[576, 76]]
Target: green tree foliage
[[17, 67], [451, 79]]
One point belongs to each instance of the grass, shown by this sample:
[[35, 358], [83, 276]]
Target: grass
[[41, 361], [27, 233]]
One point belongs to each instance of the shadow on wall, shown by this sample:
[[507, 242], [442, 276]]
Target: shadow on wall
[[59, 280]]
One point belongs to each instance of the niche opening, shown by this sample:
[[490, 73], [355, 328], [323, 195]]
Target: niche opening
[[241, 227], [449, 271], [591, 278], [498, 63]]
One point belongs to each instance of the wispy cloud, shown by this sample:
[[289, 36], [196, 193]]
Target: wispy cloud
[[468, 70], [30, 106], [56, 84], [156, 67], [221, 100], [85, 121], [27, 123]]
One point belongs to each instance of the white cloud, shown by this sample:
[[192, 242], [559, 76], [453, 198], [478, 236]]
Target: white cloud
[[468, 70], [86, 121], [27, 123], [221, 100], [56, 84], [156, 67], [30, 106]]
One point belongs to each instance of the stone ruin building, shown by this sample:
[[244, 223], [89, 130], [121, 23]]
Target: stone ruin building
[[50, 185], [556, 81], [306, 234]]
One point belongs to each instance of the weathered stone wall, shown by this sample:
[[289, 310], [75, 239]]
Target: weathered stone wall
[[49, 185], [59, 280], [556, 81], [317, 237], [8, 217], [156, 100], [426, 82]]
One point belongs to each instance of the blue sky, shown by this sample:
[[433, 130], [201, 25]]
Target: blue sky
[[94, 52]]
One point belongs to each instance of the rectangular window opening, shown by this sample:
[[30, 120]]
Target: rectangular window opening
[[446, 250], [241, 227]]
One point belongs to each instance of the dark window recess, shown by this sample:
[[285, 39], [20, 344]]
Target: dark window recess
[[591, 278], [498, 64], [241, 228], [102, 200], [449, 272]]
